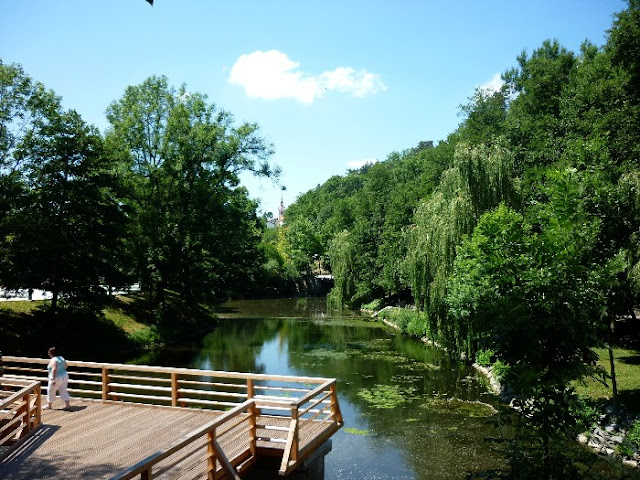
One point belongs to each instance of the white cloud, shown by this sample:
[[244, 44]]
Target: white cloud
[[273, 75], [355, 164], [347, 80], [493, 85]]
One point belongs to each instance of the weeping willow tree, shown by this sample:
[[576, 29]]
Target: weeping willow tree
[[481, 177], [341, 252]]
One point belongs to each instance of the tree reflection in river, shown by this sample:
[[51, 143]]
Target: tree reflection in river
[[394, 391]]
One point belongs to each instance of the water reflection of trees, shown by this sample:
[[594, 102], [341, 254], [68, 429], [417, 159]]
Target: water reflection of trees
[[361, 355], [364, 356]]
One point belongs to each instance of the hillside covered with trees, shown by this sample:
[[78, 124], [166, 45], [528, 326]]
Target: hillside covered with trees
[[518, 236]]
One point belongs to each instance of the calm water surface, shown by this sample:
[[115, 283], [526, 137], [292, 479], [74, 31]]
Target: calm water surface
[[409, 412]]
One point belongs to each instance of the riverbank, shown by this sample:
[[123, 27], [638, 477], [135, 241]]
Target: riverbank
[[127, 325], [616, 429]]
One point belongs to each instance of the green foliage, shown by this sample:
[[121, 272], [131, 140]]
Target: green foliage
[[531, 290], [373, 306], [624, 45], [355, 431], [184, 157], [69, 219], [480, 178], [304, 244], [413, 322], [483, 357], [386, 396], [161, 189], [632, 439], [500, 370], [342, 253], [373, 205]]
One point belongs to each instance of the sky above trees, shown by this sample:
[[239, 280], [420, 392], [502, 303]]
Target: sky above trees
[[331, 84]]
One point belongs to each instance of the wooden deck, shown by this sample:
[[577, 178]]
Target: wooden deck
[[94, 440], [110, 437]]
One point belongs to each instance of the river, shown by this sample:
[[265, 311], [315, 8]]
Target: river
[[409, 412]]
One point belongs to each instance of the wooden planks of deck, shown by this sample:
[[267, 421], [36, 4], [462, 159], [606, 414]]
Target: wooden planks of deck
[[95, 440], [108, 434]]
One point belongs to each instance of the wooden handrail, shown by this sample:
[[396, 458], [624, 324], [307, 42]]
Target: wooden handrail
[[148, 463], [26, 389], [303, 401], [315, 391], [21, 412], [177, 370]]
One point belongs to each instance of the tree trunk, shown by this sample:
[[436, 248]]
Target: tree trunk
[[614, 384], [54, 299]]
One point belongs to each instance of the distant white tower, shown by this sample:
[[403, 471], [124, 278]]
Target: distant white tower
[[281, 212]]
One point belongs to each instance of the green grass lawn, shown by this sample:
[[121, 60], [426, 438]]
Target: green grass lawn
[[126, 324], [627, 366], [19, 307]]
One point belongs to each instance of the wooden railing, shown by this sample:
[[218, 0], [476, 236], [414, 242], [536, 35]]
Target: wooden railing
[[237, 426], [314, 408], [20, 411], [264, 414]]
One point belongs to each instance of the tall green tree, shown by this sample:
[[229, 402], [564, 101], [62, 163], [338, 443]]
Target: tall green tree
[[69, 226], [24, 104], [195, 225], [480, 179], [530, 289], [533, 123]]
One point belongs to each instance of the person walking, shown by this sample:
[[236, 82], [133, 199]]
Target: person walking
[[58, 379]]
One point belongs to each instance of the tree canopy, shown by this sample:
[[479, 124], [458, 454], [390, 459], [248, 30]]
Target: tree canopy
[[157, 200]]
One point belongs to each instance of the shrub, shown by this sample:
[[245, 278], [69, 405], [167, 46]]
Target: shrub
[[483, 357], [499, 370], [631, 443], [373, 306]]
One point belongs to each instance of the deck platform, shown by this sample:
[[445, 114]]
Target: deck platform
[[95, 440], [139, 422]]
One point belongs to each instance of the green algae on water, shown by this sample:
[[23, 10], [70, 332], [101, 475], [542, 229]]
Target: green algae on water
[[355, 431], [326, 353], [386, 396], [455, 406]]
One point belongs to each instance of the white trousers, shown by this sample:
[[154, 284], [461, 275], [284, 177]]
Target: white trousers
[[59, 383]]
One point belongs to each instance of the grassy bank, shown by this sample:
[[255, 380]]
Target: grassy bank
[[127, 325], [627, 366], [598, 395], [627, 362]]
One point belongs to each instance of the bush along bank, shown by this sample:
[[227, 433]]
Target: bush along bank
[[414, 323], [614, 432]]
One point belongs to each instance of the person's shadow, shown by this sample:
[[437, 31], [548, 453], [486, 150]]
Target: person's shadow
[[75, 408]]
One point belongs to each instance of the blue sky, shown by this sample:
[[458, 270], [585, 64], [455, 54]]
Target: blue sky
[[332, 84]]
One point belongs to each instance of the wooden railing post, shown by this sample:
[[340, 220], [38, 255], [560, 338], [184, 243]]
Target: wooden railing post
[[174, 389], [336, 414], [253, 433], [211, 455], [38, 405], [296, 427], [290, 453], [25, 410], [105, 384], [146, 475], [251, 391]]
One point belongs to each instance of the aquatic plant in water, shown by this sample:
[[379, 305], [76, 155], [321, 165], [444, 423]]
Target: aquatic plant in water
[[456, 406], [355, 431], [386, 396]]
